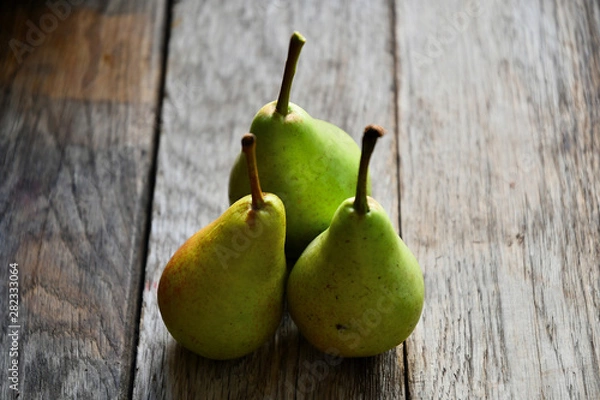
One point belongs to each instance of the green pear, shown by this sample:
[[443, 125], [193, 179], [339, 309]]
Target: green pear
[[309, 163], [357, 290], [221, 294]]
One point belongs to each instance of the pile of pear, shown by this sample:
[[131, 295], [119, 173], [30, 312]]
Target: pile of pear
[[314, 239]]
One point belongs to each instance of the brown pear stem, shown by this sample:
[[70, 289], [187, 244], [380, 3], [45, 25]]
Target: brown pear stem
[[372, 133], [249, 149], [283, 101]]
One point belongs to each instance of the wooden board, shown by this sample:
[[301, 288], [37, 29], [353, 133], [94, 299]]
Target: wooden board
[[500, 176], [490, 169], [225, 62], [78, 95]]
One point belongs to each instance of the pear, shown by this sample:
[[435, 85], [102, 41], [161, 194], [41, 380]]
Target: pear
[[221, 294], [309, 163], [357, 290]]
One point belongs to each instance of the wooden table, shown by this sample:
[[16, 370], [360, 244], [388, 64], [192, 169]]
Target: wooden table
[[119, 121]]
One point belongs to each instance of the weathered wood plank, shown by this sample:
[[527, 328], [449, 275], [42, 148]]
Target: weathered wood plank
[[225, 62], [500, 172], [78, 97]]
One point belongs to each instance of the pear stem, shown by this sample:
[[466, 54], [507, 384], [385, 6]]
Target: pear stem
[[370, 136], [249, 149], [283, 101]]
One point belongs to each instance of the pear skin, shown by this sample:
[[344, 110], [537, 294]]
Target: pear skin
[[310, 181], [357, 290], [309, 163], [221, 294]]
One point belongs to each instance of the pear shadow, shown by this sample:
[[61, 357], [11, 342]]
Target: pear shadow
[[321, 375], [257, 375], [285, 367]]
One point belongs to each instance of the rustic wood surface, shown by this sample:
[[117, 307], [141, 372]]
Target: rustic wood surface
[[500, 199], [77, 114], [490, 170], [211, 94]]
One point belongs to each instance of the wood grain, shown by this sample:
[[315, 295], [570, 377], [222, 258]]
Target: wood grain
[[224, 63], [77, 130], [499, 133], [492, 156]]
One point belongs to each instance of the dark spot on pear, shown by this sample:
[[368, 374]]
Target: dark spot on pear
[[341, 327]]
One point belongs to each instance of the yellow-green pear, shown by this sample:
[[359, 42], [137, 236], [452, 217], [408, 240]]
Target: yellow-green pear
[[357, 290], [309, 163], [221, 294]]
